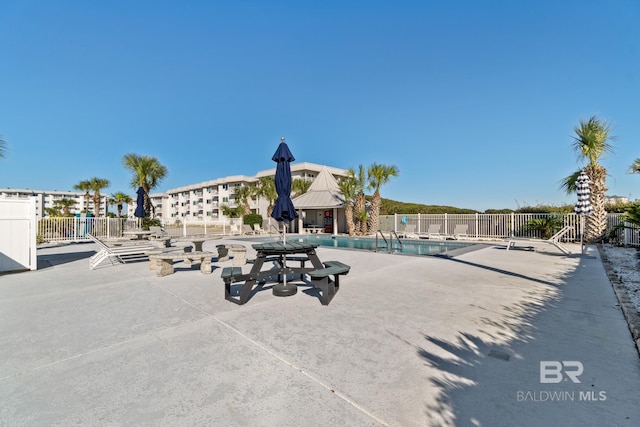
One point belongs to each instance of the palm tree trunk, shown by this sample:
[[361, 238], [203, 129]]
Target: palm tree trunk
[[596, 224], [375, 212], [348, 213]]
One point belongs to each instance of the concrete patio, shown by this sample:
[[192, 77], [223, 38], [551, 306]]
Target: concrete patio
[[408, 341]]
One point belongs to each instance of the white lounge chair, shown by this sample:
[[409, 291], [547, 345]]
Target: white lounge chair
[[433, 232], [258, 229], [246, 228], [122, 253], [460, 232], [554, 240], [409, 231]]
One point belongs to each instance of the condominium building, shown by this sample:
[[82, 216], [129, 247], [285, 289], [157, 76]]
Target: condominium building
[[47, 199], [203, 202]]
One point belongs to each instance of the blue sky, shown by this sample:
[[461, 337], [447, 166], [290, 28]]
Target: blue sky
[[474, 102]]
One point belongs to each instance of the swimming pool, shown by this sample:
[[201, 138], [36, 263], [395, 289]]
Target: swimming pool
[[409, 247]]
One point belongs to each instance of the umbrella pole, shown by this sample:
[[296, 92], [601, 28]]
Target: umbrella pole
[[582, 234], [282, 289]]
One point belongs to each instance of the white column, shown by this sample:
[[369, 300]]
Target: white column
[[335, 221]]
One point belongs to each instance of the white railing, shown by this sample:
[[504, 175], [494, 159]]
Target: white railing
[[501, 226], [75, 229], [479, 226]]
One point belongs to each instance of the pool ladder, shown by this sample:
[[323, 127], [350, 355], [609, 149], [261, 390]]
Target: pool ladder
[[388, 244]]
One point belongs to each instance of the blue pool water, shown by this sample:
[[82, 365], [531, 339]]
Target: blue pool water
[[409, 247]]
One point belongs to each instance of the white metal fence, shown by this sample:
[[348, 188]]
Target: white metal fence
[[501, 226], [75, 229], [479, 226]]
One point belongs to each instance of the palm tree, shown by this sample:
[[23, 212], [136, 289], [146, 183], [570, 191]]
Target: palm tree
[[243, 194], [119, 199], [591, 142], [148, 172], [267, 188], [85, 186], [378, 176], [64, 205], [360, 204], [299, 186], [97, 184], [347, 187], [635, 167]]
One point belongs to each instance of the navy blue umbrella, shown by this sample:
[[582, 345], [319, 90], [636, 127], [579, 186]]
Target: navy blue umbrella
[[140, 203], [283, 210]]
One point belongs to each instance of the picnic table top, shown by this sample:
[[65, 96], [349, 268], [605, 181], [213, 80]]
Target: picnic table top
[[284, 248]]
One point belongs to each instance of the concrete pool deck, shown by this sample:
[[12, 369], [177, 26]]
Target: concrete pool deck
[[408, 341]]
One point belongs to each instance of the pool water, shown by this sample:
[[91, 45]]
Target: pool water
[[409, 247]]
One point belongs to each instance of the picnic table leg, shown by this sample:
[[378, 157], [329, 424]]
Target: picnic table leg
[[205, 265], [166, 267]]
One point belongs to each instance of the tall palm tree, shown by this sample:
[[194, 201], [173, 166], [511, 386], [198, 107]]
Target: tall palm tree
[[378, 176], [85, 186], [267, 188], [591, 142], [360, 204], [148, 172], [299, 186], [97, 184], [347, 187], [635, 167], [119, 199], [243, 194]]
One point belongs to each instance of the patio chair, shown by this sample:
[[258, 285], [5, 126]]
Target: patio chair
[[247, 229], [460, 232], [409, 231], [258, 229], [122, 253], [433, 232]]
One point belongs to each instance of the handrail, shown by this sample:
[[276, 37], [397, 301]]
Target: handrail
[[383, 238], [391, 234]]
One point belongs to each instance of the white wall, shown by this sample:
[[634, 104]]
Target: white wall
[[18, 228]]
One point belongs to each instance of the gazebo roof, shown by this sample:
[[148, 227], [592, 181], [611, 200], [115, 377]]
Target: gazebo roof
[[323, 193]]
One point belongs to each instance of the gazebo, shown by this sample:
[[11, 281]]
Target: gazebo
[[322, 206]]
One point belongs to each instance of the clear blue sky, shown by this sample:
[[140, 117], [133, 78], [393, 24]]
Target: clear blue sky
[[474, 101]]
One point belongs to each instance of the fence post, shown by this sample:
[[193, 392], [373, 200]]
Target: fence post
[[446, 228], [513, 224], [476, 225], [184, 226], [418, 222]]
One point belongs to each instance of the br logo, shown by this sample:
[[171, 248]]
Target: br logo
[[553, 371]]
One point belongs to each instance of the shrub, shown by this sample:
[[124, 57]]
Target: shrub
[[252, 219]]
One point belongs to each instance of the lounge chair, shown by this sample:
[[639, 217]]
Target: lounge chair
[[460, 232], [121, 253], [258, 229], [554, 240], [246, 229], [409, 231], [433, 232]]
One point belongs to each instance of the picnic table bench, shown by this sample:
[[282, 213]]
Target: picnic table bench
[[164, 262], [320, 278]]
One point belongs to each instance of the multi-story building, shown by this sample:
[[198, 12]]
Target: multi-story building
[[47, 199], [203, 202]]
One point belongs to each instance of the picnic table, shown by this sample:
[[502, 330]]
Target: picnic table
[[140, 234], [197, 241], [279, 253]]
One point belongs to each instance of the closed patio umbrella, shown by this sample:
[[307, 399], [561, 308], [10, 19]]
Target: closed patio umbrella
[[583, 206], [140, 204], [283, 211]]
